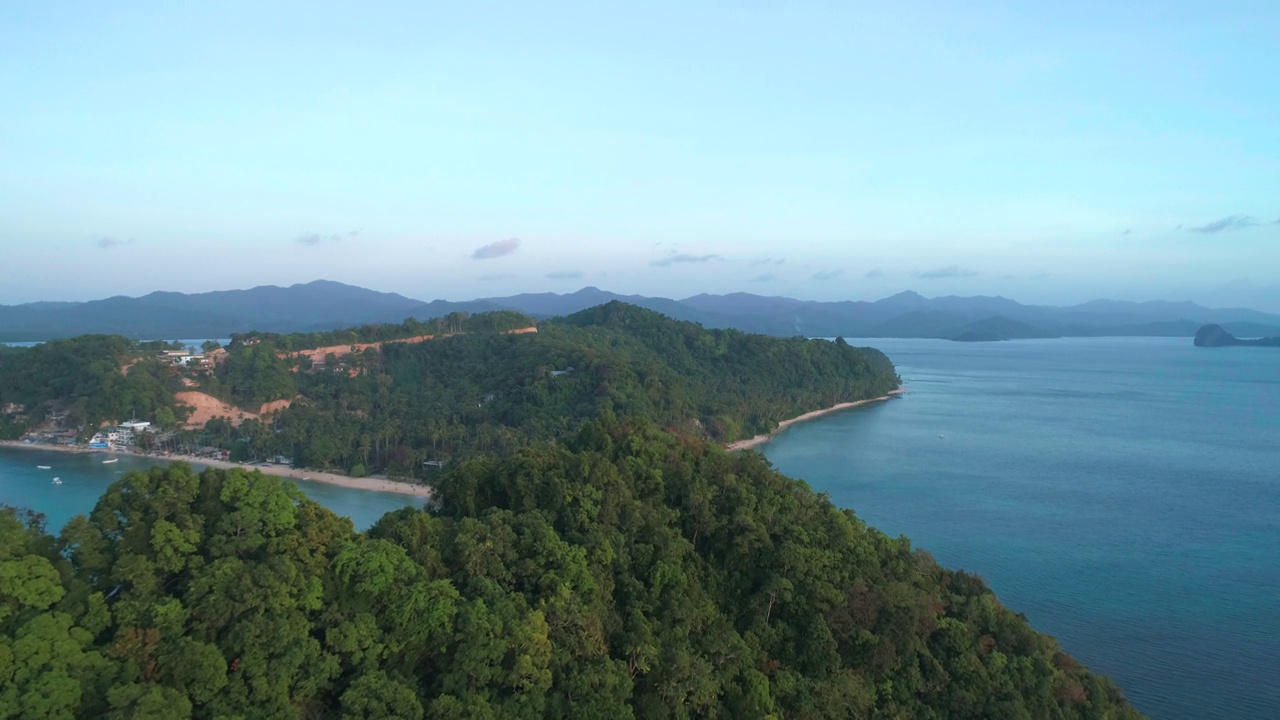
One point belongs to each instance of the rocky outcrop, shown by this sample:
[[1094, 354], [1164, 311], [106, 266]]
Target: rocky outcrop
[[1217, 336]]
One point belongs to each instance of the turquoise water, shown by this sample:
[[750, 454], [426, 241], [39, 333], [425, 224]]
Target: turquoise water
[[1124, 494], [84, 478]]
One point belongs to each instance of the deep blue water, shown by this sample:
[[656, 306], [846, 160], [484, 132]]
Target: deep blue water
[[84, 478], [1123, 493]]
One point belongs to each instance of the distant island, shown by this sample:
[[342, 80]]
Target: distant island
[[324, 306], [1217, 336], [978, 336]]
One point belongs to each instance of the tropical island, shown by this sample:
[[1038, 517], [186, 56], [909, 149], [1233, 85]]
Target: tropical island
[[591, 549]]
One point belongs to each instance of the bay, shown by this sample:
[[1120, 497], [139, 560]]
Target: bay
[[1122, 493], [84, 479]]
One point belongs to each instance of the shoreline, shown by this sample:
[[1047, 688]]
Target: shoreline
[[364, 483], [762, 439]]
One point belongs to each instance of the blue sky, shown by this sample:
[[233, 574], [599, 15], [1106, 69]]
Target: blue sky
[[818, 150]]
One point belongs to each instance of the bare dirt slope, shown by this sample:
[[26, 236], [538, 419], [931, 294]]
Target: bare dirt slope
[[317, 355], [207, 407]]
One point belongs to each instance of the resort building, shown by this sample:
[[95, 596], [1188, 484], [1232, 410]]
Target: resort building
[[120, 436]]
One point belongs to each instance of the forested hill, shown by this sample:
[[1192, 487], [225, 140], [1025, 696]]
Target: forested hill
[[87, 380], [393, 397], [401, 404], [620, 573]]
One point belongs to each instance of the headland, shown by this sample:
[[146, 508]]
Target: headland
[[761, 439]]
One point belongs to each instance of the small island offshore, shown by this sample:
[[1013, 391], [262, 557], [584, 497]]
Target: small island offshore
[[1217, 336]]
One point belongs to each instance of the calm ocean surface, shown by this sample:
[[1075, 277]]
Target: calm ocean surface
[[1124, 494], [84, 478]]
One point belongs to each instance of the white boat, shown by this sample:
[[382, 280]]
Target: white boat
[[57, 481], [112, 460], [44, 467]]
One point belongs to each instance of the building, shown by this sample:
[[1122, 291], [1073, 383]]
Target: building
[[184, 358], [119, 436]]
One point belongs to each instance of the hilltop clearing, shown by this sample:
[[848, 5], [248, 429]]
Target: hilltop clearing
[[316, 356]]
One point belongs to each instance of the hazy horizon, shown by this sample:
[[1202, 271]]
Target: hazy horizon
[[1050, 155], [854, 298]]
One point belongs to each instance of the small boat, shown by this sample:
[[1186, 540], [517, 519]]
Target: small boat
[[57, 481], [44, 467], [112, 460]]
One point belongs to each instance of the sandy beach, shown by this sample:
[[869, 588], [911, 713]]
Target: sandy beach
[[761, 439], [365, 483]]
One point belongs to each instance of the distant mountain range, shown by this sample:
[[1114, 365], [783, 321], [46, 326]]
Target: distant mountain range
[[324, 305]]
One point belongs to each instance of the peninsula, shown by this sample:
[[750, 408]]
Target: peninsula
[[405, 400], [592, 549]]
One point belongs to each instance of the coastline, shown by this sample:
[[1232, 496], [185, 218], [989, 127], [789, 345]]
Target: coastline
[[762, 439], [364, 483]]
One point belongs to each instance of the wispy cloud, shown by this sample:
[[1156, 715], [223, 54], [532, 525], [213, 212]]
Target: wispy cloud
[[107, 242], [764, 278], [875, 273], [679, 258], [314, 239], [827, 274], [565, 275], [943, 273], [1231, 222], [496, 249], [767, 261]]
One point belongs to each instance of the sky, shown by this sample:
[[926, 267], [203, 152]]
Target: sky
[[1048, 152]]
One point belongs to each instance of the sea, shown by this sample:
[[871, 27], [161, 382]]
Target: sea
[[84, 478], [191, 343], [1122, 493]]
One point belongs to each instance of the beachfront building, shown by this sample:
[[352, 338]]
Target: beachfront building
[[119, 436]]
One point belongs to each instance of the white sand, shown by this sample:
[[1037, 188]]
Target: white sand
[[761, 439], [366, 483]]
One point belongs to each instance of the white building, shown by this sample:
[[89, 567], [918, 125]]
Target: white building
[[120, 436]]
